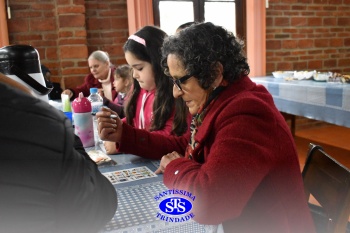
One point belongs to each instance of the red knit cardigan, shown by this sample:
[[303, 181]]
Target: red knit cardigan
[[245, 173]]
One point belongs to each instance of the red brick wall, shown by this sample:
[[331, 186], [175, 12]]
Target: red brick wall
[[65, 32], [36, 24], [308, 35], [301, 34], [107, 27]]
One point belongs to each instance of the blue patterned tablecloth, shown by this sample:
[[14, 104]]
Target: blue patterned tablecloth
[[329, 102], [137, 209]]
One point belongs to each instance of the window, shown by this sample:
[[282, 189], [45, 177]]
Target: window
[[230, 14]]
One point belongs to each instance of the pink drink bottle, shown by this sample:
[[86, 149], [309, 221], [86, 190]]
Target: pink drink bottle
[[83, 120]]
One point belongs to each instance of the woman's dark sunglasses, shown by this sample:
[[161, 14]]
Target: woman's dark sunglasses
[[177, 82]]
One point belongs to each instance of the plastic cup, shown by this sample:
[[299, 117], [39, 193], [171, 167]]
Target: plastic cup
[[66, 106]]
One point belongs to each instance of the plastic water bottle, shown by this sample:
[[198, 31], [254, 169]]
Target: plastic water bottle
[[96, 103], [83, 120], [95, 99]]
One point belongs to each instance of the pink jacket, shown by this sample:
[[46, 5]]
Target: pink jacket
[[143, 121], [245, 173], [145, 101]]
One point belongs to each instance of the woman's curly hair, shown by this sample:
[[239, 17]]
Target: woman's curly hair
[[201, 46]]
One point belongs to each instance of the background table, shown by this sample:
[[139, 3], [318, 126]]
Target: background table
[[329, 102], [137, 208]]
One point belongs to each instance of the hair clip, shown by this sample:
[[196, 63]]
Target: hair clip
[[137, 39]]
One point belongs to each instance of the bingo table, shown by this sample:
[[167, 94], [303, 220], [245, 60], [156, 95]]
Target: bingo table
[[137, 185]]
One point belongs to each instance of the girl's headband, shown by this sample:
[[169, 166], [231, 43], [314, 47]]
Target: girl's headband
[[137, 39]]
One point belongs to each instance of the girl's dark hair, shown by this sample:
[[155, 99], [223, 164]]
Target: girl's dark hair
[[164, 102], [201, 46]]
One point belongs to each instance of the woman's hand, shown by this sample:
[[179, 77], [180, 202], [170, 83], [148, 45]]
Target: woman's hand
[[166, 159], [110, 148], [101, 92], [110, 126]]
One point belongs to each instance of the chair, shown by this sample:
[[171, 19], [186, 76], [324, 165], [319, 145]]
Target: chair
[[328, 182]]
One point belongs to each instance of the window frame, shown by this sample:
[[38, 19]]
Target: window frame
[[198, 12], [140, 13]]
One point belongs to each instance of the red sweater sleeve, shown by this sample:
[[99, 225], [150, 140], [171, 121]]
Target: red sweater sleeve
[[89, 82], [151, 145]]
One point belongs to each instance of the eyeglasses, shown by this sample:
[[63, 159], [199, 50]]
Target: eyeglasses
[[177, 82]]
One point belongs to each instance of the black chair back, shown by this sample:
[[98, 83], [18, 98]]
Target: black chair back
[[328, 182]]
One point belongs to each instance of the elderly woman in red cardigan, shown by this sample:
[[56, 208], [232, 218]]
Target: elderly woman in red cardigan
[[101, 76], [240, 159]]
